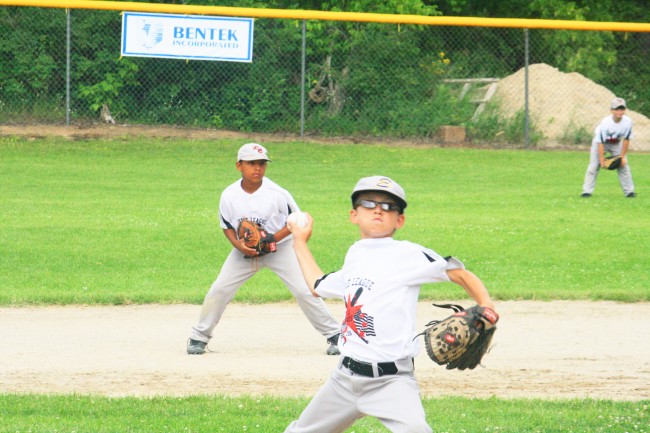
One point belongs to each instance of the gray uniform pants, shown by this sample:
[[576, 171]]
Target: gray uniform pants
[[236, 270], [394, 400], [624, 173]]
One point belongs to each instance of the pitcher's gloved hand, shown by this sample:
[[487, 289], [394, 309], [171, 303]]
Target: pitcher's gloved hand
[[462, 339]]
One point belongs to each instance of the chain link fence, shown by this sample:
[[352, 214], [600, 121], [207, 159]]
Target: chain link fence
[[350, 79]]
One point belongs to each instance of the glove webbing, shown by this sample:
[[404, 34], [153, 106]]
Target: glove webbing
[[457, 309]]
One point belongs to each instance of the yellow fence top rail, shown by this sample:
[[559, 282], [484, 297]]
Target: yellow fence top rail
[[333, 16]]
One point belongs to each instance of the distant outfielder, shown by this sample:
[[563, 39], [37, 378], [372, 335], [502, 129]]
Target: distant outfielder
[[612, 136]]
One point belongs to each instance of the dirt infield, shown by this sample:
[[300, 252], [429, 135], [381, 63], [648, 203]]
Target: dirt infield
[[557, 349]]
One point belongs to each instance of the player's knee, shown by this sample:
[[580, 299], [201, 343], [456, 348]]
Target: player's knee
[[218, 294]]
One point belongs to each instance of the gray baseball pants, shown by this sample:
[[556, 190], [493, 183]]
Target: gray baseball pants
[[394, 400], [624, 173], [236, 270]]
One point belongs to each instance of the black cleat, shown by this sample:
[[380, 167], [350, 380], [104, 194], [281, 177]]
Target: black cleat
[[196, 347]]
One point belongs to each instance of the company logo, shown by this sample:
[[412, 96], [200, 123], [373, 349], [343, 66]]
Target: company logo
[[154, 34]]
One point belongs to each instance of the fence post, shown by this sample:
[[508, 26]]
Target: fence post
[[67, 68], [526, 111], [302, 80]]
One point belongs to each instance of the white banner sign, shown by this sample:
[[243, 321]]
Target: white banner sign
[[187, 37]]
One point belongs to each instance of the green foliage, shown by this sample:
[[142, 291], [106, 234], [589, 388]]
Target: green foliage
[[576, 135], [378, 79], [359, 101], [108, 90], [492, 128], [412, 7], [480, 52], [589, 53], [629, 76], [264, 95], [32, 59]]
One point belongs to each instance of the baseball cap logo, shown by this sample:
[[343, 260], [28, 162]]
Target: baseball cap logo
[[252, 152], [384, 183]]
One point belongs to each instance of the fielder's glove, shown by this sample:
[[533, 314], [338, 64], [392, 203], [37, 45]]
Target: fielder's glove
[[613, 162], [460, 340], [256, 237]]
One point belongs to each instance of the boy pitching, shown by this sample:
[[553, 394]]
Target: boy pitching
[[613, 136], [379, 283], [258, 198]]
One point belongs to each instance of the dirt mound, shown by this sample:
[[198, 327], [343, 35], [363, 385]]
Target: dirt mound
[[561, 103]]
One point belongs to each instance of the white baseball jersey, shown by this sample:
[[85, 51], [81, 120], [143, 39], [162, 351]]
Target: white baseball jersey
[[380, 283], [610, 132], [269, 206]]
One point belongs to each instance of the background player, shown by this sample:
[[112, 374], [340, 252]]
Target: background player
[[380, 283], [258, 198], [613, 136]]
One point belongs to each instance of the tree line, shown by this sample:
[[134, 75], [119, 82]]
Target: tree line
[[362, 78]]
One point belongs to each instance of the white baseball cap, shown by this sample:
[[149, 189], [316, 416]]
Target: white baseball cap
[[381, 184], [617, 102], [252, 152]]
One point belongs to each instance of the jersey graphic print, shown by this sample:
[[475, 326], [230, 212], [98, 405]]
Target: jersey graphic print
[[260, 221], [613, 133], [356, 320], [612, 137]]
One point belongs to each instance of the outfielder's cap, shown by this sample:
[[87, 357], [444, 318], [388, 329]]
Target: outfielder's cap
[[381, 184], [618, 102], [252, 152]]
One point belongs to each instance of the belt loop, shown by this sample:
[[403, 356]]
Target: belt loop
[[376, 372]]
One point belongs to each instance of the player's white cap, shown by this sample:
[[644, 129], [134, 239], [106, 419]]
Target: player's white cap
[[382, 184], [617, 102], [252, 152]]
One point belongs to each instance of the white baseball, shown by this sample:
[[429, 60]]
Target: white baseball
[[297, 219]]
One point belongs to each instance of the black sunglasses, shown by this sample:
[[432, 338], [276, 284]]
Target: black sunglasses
[[369, 204]]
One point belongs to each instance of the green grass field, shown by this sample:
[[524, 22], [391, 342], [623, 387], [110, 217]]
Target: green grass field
[[46, 414], [116, 222], [135, 221]]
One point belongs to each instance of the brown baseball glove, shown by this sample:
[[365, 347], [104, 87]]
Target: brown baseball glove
[[613, 162], [462, 339], [256, 237]]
